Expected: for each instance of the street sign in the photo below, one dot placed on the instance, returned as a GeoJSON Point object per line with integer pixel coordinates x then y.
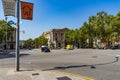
{"type": "Point", "coordinates": [11, 22]}
{"type": "Point", "coordinates": [9, 7]}
{"type": "Point", "coordinates": [27, 10]}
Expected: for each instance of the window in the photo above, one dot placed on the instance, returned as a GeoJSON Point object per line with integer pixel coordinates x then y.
{"type": "Point", "coordinates": [61, 34]}
{"type": "Point", "coordinates": [56, 39]}
{"type": "Point", "coordinates": [55, 34]}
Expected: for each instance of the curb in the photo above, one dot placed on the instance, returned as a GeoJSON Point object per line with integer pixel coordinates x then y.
{"type": "Point", "coordinates": [70, 74]}
{"type": "Point", "coordinates": [74, 75]}
{"type": "Point", "coordinates": [60, 72]}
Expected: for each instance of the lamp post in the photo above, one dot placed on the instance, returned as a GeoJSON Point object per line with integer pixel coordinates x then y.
{"type": "Point", "coordinates": [17, 36]}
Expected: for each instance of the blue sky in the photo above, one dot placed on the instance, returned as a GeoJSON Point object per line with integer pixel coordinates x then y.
{"type": "Point", "coordinates": [49, 14]}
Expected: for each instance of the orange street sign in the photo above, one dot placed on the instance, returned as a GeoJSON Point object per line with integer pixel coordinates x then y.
{"type": "Point", "coordinates": [27, 10]}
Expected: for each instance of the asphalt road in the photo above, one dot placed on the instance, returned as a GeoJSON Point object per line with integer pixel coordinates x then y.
{"type": "Point", "coordinates": [94, 63]}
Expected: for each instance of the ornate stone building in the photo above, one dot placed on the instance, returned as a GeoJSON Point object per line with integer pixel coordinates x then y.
{"type": "Point", "coordinates": [55, 38]}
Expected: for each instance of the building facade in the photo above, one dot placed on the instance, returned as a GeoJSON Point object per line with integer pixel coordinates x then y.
{"type": "Point", "coordinates": [55, 38]}
{"type": "Point", "coordinates": [10, 43]}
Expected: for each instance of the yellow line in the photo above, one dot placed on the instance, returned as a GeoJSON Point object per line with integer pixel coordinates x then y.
{"type": "Point", "coordinates": [70, 74]}
{"type": "Point", "coordinates": [75, 75]}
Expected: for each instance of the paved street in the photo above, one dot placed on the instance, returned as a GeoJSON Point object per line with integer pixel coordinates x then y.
{"type": "Point", "coordinates": [94, 63]}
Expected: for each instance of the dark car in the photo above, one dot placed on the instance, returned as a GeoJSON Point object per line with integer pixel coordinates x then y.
{"type": "Point", "coordinates": [115, 47]}
{"type": "Point", "coordinates": [30, 48]}
{"type": "Point", "coordinates": [45, 49]}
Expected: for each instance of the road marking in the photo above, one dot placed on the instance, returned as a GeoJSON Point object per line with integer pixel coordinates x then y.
{"type": "Point", "coordinates": [74, 75]}
{"type": "Point", "coordinates": [70, 74]}
{"type": "Point", "coordinates": [56, 71]}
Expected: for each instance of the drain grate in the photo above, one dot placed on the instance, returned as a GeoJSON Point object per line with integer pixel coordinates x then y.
{"type": "Point", "coordinates": [35, 74]}
{"type": "Point", "coordinates": [63, 78]}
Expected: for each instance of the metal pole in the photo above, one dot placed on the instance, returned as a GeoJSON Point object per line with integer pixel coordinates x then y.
{"type": "Point", "coordinates": [6, 33]}
{"type": "Point", "coordinates": [17, 35]}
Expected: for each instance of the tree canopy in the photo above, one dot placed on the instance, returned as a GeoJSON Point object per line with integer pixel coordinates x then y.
{"type": "Point", "coordinates": [4, 26]}
{"type": "Point", "coordinates": [101, 26]}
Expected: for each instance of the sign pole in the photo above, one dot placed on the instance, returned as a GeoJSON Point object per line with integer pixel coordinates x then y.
{"type": "Point", "coordinates": [17, 36]}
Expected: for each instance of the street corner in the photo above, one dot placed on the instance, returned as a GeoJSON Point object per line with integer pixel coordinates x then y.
{"type": "Point", "coordinates": [11, 74]}
{"type": "Point", "coordinates": [58, 75]}
{"type": "Point", "coordinates": [69, 76]}
{"type": "Point", "coordinates": [37, 74]}
{"type": "Point", "coordinates": [20, 72]}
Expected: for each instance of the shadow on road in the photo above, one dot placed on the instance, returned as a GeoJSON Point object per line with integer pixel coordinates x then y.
{"type": "Point", "coordinates": [78, 66]}
{"type": "Point", "coordinates": [11, 55]}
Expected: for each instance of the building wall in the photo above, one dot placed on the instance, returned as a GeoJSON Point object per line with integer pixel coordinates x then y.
{"type": "Point", "coordinates": [56, 37]}
{"type": "Point", "coordinates": [48, 36]}
{"type": "Point", "coordinates": [11, 42]}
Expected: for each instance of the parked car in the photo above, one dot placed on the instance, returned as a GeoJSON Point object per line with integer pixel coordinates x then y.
{"type": "Point", "coordinates": [105, 47]}
{"type": "Point", "coordinates": [29, 48]}
{"type": "Point", "coordinates": [45, 49]}
{"type": "Point", "coordinates": [115, 47]}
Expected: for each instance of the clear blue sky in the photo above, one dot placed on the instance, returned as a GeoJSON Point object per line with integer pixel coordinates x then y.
{"type": "Point", "coordinates": [49, 14]}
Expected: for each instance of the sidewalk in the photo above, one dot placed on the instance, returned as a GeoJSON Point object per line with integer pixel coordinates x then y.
{"type": "Point", "coordinates": [31, 74]}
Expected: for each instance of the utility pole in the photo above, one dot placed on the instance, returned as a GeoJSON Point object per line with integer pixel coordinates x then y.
{"type": "Point", "coordinates": [17, 36]}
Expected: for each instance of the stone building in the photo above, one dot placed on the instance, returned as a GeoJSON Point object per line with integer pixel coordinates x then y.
{"type": "Point", "coordinates": [10, 43]}
{"type": "Point", "coordinates": [55, 38]}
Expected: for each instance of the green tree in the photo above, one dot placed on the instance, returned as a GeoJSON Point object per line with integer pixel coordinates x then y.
{"type": "Point", "coordinates": [36, 42]}
{"type": "Point", "coordinates": [28, 43]}
{"type": "Point", "coordinates": [108, 28]}
{"type": "Point", "coordinates": [87, 33]}
{"type": "Point", "coordinates": [115, 26]}
{"type": "Point", "coordinates": [101, 25]}
{"type": "Point", "coordinates": [43, 40]}
{"type": "Point", "coordinates": [3, 28]}
{"type": "Point", "coordinates": [70, 36]}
